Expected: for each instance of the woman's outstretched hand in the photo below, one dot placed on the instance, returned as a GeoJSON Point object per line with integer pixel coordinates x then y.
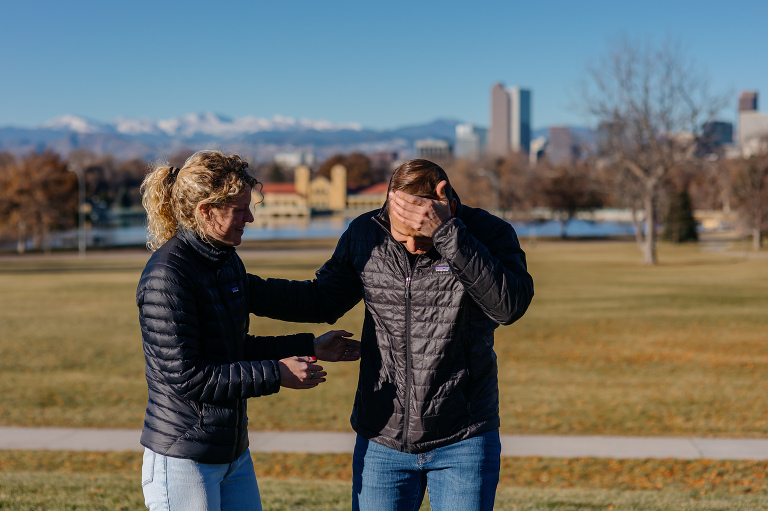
{"type": "Point", "coordinates": [334, 346]}
{"type": "Point", "coordinates": [300, 373]}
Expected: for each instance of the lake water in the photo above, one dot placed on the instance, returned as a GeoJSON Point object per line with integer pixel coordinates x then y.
{"type": "Point", "coordinates": [333, 227]}
{"type": "Point", "coordinates": [318, 227]}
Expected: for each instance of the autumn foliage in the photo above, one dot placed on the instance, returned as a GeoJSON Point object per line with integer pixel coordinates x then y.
{"type": "Point", "coordinates": [37, 196]}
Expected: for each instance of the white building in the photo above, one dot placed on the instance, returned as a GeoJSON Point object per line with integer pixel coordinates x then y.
{"type": "Point", "coordinates": [470, 141]}
{"type": "Point", "coordinates": [753, 125]}
{"type": "Point", "coordinates": [294, 159]}
{"type": "Point", "coordinates": [433, 149]}
{"type": "Point", "coordinates": [753, 132]}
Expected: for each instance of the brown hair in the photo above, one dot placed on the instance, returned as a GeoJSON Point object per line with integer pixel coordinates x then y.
{"type": "Point", "coordinates": [419, 177]}
{"type": "Point", "coordinates": [171, 195]}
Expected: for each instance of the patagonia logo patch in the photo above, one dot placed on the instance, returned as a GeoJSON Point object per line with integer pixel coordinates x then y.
{"type": "Point", "coordinates": [235, 289]}
{"type": "Point", "coordinates": [442, 269]}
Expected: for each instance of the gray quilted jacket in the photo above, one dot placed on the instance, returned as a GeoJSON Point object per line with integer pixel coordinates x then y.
{"type": "Point", "coordinates": [428, 373]}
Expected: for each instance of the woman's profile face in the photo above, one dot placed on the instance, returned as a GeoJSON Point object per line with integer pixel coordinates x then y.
{"type": "Point", "coordinates": [225, 224]}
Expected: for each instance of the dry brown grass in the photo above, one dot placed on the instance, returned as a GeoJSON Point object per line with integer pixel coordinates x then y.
{"type": "Point", "coordinates": [608, 345]}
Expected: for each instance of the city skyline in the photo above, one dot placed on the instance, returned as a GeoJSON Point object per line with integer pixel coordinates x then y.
{"type": "Point", "coordinates": [344, 62]}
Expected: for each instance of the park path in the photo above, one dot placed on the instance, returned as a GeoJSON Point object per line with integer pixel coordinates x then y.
{"type": "Point", "coordinates": [70, 439]}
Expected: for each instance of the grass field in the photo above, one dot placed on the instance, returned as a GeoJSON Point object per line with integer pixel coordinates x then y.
{"type": "Point", "coordinates": [609, 346]}
{"type": "Point", "coordinates": [34, 480]}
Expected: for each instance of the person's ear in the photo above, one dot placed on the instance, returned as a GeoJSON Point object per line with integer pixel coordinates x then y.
{"type": "Point", "coordinates": [440, 190]}
{"type": "Point", "coordinates": [204, 210]}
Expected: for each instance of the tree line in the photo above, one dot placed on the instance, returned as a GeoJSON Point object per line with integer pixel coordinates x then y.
{"type": "Point", "coordinates": [39, 191]}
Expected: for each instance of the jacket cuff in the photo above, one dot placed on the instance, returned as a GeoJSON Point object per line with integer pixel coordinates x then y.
{"type": "Point", "coordinates": [272, 379]}
{"type": "Point", "coordinates": [307, 345]}
{"type": "Point", "coordinates": [445, 228]}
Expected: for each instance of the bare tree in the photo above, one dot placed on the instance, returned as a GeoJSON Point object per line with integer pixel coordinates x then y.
{"type": "Point", "coordinates": [650, 103]}
{"type": "Point", "coordinates": [750, 188]}
{"type": "Point", "coordinates": [501, 184]}
{"type": "Point", "coordinates": [711, 187]}
{"type": "Point", "coordinates": [567, 189]}
{"type": "Point", "coordinates": [515, 181]}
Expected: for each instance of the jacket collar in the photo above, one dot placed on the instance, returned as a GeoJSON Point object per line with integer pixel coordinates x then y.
{"type": "Point", "coordinates": [211, 255]}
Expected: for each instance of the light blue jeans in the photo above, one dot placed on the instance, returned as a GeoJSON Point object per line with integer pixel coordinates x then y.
{"type": "Point", "coordinates": [459, 477]}
{"type": "Point", "coordinates": [175, 484]}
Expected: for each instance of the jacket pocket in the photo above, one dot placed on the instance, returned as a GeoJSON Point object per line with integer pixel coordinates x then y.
{"type": "Point", "coordinates": [215, 418]}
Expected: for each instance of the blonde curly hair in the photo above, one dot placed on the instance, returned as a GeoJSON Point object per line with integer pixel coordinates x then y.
{"type": "Point", "coordinates": [171, 196]}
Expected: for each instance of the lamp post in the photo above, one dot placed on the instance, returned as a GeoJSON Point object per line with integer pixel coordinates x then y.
{"type": "Point", "coordinates": [495, 184]}
{"type": "Point", "coordinates": [80, 207]}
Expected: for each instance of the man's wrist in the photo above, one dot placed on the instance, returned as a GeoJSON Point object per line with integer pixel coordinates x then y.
{"type": "Point", "coordinates": [442, 227]}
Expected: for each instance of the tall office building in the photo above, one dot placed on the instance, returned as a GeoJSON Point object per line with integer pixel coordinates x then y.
{"type": "Point", "coordinates": [717, 133]}
{"type": "Point", "coordinates": [753, 125]}
{"type": "Point", "coordinates": [561, 148]}
{"type": "Point", "coordinates": [498, 132]}
{"type": "Point", "coordinates": [510, 129]}
{"type": "Point", "coordinates": [470, 141]}
{"type": "Point", "coordinates": [748, 101]}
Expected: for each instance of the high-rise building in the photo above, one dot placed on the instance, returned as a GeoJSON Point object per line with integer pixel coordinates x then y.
{"type": "Point", "coordinates": [470, 141]}
{"type": "Point", "coordinates": [561, 148]}
{"type": "Point", "coordinates": [520, 113]}
{"type": "Point", "coordinates": [717, 133]}
{"type": "Point", "coordinates": [753, 125]}
{"type": "Point", "coordinates": [748, 101]}
{"type": "Point", "coordinates": [498, 132]}
{"type": "Point", "coordinates": [510, 129]}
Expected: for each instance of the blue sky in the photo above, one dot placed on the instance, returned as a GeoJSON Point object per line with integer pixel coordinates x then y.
{"type": "Point", "coordinates": [382, 64]}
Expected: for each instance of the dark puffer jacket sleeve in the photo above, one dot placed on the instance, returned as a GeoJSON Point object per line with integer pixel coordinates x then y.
{"type": "Point", "coordinates": [490, 264]}
{"type": "Point", "coordinates": [335, 291]}
{"type": "Point", "coordinates": [279, 347]}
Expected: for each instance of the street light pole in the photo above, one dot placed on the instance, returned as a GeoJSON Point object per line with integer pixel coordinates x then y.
{"type": "Point", "coordinates": [496, 185]}
{"type": "Point", "coordinates": [80, 207]}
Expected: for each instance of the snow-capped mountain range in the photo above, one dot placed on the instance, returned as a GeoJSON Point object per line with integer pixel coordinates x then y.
{"type": "Point", "coordinates": [259, 138]}
{"type": "Point", "coordinates": [194, 125]}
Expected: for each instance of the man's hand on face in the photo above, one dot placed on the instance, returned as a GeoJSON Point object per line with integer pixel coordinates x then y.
{"type": "Point", "coordinates": [423, 215]}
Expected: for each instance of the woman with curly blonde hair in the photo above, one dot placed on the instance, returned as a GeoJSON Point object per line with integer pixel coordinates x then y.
{"type": "Point", "coordinates": [202, 365]}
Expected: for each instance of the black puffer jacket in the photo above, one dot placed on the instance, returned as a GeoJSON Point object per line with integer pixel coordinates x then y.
{"type": "Point", "coordinates": [428, 374]}
{"type": "Point", "coordinates": [201, 364]}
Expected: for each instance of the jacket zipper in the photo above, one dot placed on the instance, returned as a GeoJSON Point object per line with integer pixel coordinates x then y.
{"type": "Point", "coordinates": [408, 355]}
{"type": "Point", "coordinates": [224, 302]}
{"type": "Point", "coordinates": [408, 362]}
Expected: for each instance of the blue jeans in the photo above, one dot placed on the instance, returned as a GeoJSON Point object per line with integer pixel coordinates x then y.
{"type": "Point", "coordinates": [459, 477]}
{"type": "Point", "coordinates": [175, 484]}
